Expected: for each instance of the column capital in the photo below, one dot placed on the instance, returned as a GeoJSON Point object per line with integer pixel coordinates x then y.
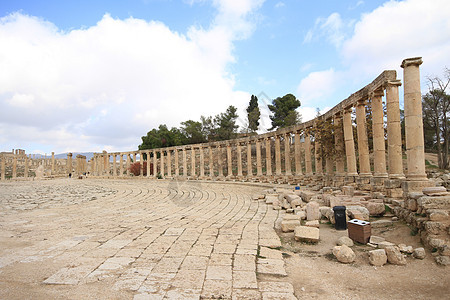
{"type": "Point", "coordinates": [361, 102]}
{"type": "Point", "coordinates": [414, 61]}
{"type": "Point", "coordinates": [396, 82]}
{"type": "Point", "coordinates": [348, 109]}
{"type": "Point", "coordinates": [377, 93]}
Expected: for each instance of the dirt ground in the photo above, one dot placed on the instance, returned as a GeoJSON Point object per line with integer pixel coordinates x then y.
{"type": "Point", "coordinates": [316, 274]}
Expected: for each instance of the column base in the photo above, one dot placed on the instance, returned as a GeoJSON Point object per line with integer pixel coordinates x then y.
{"type": "Point", "coordinates": [410, 186]}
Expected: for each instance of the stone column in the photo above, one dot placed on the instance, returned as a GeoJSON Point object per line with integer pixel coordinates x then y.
{"type": "Point", "coordinates": [219, 160]}
{"type": "Point", "coordinates": [268, 158]}
{"type": "Point", "coordinates": [297, 153]}
{"type": "Point", "coordinates": [339, 144]}
{"type": "Point", "coordinates": [155, 164]}
{"type": "Point", "coordinates": [147, 154]}
{"type": "Point", "coordinates": [177, 168]}
{"type": "Point", "coordinates": [363, 144]}
{"type": "Point", "coordinates": [106, 162]}
{"type": "Point", "coordinates": [239, 159]}
{"type": "Point", "coordinates": [114, 165]}
{"type": "Point", "coordinates": [258, 158]}
{"type": "Point", "coordinates": [69, 163]}
{"type": "Point", "coordinates": [277, 155]}
{"type": "Point", "coordinates": [162, 163]}
{"type": "Point", "coordinates": [329, 166]}
{"type": "Point", "coordinates": [193, 162]}
{"type": "Point", "coordinates": [318, 158]}
{"type": "Point", "coordinates": [202, 161]}
{"type": "Point", "coordinates": [141, 164]}
{"type": "Point", "coordinates": [249, 159]}
{"type": "Point", "coordinates": [184, 161]}
{"type": "Point", "coordinates": [415, 151]}
{"type": "Point", "coordinates": [3, 167]}
{"type": "Point", "coordinates": [211, 162]}
{"type": "Point", "coordinates": [169, 163]}
{"type": "Point", "coordinates": [26, 167]}
{"type": "Point", "coordinates": [229, 162]}
{"type": "Point", "coordinates": [308, 162]}
{"type": "Point", "coordinates": [128, 163]}
{"type": "Point", "coordinates": [121, 164]}
{"type": "Point", "coordinates": [53, 163]}
{"type": "Point", "coordinates": [14, 170]}
{"type": "Point", "coordinates": [287, 154]}
{"type": "Point", "coordinates": [394, 130]}
{"type": "Point", "coordinates": [379, 148]}
{"type": "Point", "coordinates": [349, 143]}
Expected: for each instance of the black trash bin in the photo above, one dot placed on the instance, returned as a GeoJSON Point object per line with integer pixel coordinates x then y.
{"type": "Point", "coordinates": [340, 218]}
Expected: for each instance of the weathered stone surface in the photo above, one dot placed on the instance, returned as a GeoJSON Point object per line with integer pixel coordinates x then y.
{"type": "Point", "coordinates": [292, 217]}
{"type": "Point", "coordinates": [314, 223]}
{"type": "Point", "coordinates": [348, 190]}
{"type": "Point", "coordinates": [344, 254]}
{"type": "Point", "coordinates": [405, 249]}
{"type": "Point", "coordinates": [377, 257]}
{"type": "Point", "coordinates": [306, 195]}
{"type": "Point", "coordinates": [307, 234]}
{"type": "Point", "coordinates": [385, 244]}
{"type": "Point", "coordinates": [289, 225]}
{"type": "Point", "coordinates": [394, 256]}
{"type": "Point", "coordinates": [375, 209]}
{"type": "Point", "coordinates": [302, 214]}
{"type": "Point", "coordinates": [437, 214]}
{"type": "Point", "coordinates": [381, 223]}
{"type": "Point", "coordinates": [442, 260]}
{"type": "Point", "coordinates": [376, 239]}
{"type": "Point", "coordinates": [435, 191]}
{"type": "Point", "coordinates": [312, 211]}
{"type": "Point", "coordinates": [292, 197]}
{"type": "Point", "coordinates": [270, 198]}
{"type": "Point", "coordinates": [358, 212]}
{"type": "Point", "coordinates": [345, 240]}
{"type": "Point", "coordinates": [297, 202]}
{"type": "Point", "coordinates": [419, 253]}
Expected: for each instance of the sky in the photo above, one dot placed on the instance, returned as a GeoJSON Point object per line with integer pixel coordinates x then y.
{"type": "Point", "coordinates": [84, 75]}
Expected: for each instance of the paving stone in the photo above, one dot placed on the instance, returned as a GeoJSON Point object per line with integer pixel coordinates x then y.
{"type": "Point", "coordinates": [271, 267]}
{"type": "Point", "coordinates": [244, 279]}
{"type": "Point", "coordinates": [244, 263]}
{"type": "Point", "coordinates": [219, 272]}
{"type": "Point", "coordinates": [218, 259]}
{"type": "Point", "coordinates": [217, 289]}
{"type": "Point", "coordinates": [246, 294]}
{"type": "Point", "coordinates": [275, 286]}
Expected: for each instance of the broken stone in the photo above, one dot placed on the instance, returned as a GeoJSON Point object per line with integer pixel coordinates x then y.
{"type": "Point", "coordinates": [437, 214]}
{"type": "Point", "coordinates": [302, 214]}
{"type": "Point", "coordinates": [289, 225]}
{"type": "Point", "coordinates": [376, 239]}
{"type": "Point", "coordinates": [375, 209]}
{"type": "Point", "coordinates": [381, 223]}
{"type": "Point", "coordinates": [377, 257]}
{"type": "Point", "coordinates": [358, 212]}
{"type": "Point", "coordinates": [394, 256]}
{"type": "Point", "coordinates": [435, 191]}
{"type": "Point", "coordinates": [345, 240]}
{"type": "Point", "coordinates": [291, 217]}
{"type": "Point", "coordinates": [314, 223]}
{"type": "Point", "coordinates": [419, 253]}
{"type": "Point", "coordinates": [306, 195]}
{"type": "Point", "coordinates": [297, 202]}
{"type": "Point", "coordinates": [312, 211]}
{"type": "Point", "coordinates": [442, 260]}
{"type": "Point", "coordinates": [308, 234]}
{"type": "Point", "coordinates": [385, 244]}
{"type": "Point", "coordinates": [405, 249]}
{"type": "Point", "coordinates": [344, 254]}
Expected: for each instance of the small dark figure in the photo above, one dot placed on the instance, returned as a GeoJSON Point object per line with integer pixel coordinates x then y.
{"type": "Point", "coordinates": [70, 175]}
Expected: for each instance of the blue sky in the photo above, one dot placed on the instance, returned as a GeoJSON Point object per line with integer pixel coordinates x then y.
{"type": "Point", "coordinates": [97, 75]}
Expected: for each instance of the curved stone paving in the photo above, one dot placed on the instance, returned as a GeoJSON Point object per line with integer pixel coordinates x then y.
{"type": "Point", "coordinates": [153, 239]}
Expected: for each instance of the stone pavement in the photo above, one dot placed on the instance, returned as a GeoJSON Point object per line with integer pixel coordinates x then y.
{"type": "Point", "coordinates": [148, 239]}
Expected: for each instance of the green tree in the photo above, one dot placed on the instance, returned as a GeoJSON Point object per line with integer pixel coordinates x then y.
{"type": "Point", "coordinates": [226, 124]}
{"type": "Point", "coordinates": [436, 117]}
{"type": "Point", "coordinates": [253, 114]}
{"type": "Point", "coordinates": [209, 128]}
{"type": "Point", "coordinates": [161, 137]}
{"type": "Point", "coordinates": [193, 132]}
{"type": "Point", "coordinates": [284, 111]}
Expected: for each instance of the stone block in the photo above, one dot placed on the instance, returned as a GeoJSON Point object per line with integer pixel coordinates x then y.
{"type": "Point", "coordinates": [307, 195]}
{"type": "Point", "coordinates": [375, 209]}
{"type": "Point", "coordinates": [419, 253]}
{"type": "Point", "coordinates": [358, 212]}
{"type": "Point", "coordinates": [314, 223]}
{"type": "Point", "coordinates": [307, 234]}
{"type": "Point", "coordinates": [394, 193]}
{"type": "Point", "coordinates": [292, 217]}
{"type": "Point", "coordinates": [291, 197]}
{"type": "Point", "coordinates": [405, 249]}
{"type": "Point", "coordinates": [334, 201]}
{"type": "Point", "coordinates": [435, 191]}
{"type": "Point", "coordinates": [312, 211]}
{"type": "Point", "coordinates": [289, 225]}
{"type": "Point", "coordinates": [394, 256]}
{"type": "Point", "coordinates": [377, 257]}
{"type": "Point", "coordinates": [393, 183]}
{"type": "Point", "coordinates": [429, 202]}
{"type": "Point", "coordinates": [376, 239]}
{"type": "Point", "coordinates": [348, 190]}
{"type": "Point", "coordinates": [442, 260]}
{"type": "Point", "coordinates": [296, 202]}
{"type": "Point", "coordinates": [344, 254]}
{"type": "Point", "coordinates": [411, 204]}
{"type": "Point", "coordinates": [437, 214]}
{"type": "Point", "coordinates": [385, 244]}
{"type": "Point", "coordinates": [415, 186]}
{"type": "Point", "coordinates": [302, 214]}
{"type": "Point", "coordinates": [345, 240]}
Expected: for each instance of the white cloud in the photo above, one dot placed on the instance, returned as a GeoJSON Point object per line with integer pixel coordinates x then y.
{"type": "Point", "coordinates": [332, 28]}
{"type": "Point", "coordinates": [317, 86]}
{"type": "Point", "coordinates": [107, 85]}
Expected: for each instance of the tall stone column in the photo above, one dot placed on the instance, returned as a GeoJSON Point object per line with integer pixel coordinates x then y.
{"type": "Point", "coordinates": [114, 165]}
{"type": "Point", "coordinates": [162, 163]}
{"type": "Point", "coordinates": [184, 161]}
{"type": "Point", "coordinates": [155, 163]}
{"type": "Point", "coordinates": [193, 162]}
{"type": "Point", "coordinates": [317, 156]}
{"type": "Point", "coordinates": [308, 162]}
{"type": "Point", "coordinates": [287, 154]}
{"type": "Point", "coordinates": [329, 166]}
{"type": "Point", "coordinates": [239, 159]}
{"type": "Point", "coordinates": [3, 167]}
{"type": "Point", "coordinates": [229, 162]}
{"type": "Point", "coordinates": [363, 143]}
{"type": "Point", "coordinates": [202, 161]}
{"type": "Point", "coordinates": [349, 143]}
{"type": "Point", "coordinates": [128, 163]}
{"type": "Point", "coordinates": [177, 168]}
{"type": "Point", "coordinates": [14, 170]}
{"type": "Point", "coordinates": [26, 167]}
{"type": "Point", "coordinates": [94, 165]}
{"type": "Point", "coordinates": [277, 155]}
{"type": "Point", "coordinates": [106, 163]}
{"type": "Point", "coordinates": [69, 163]}
{"type": "Point", "coordinates": [249, 159]}
{"type": "Point", "coordinates": [121, 164]}
{"type": "Point", "coordinates": [268, 158]}
{"type": "Point", "coordinates": [297, 153]}
{"type": "Point", "coordinates": [415, 151]}
{"type": "Point", "coordinates": [169, 163]}
{"type": "Point", "coordinates": [219, 160]}
{"type": "Point", "coordinates": [258, 158]}
{"type": "Point", "coordinates": [211, 162]}
{"type": "Point", "coordinates": [141, 164]}
{"type": "Point", "coordinates": [339, 144]}
{"type": "Point", "coordinates": [53, 163]}
{"type": "Point", "coordinates": [379, 148]}
{"type": "Point", "coordinates": [394, 130]}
